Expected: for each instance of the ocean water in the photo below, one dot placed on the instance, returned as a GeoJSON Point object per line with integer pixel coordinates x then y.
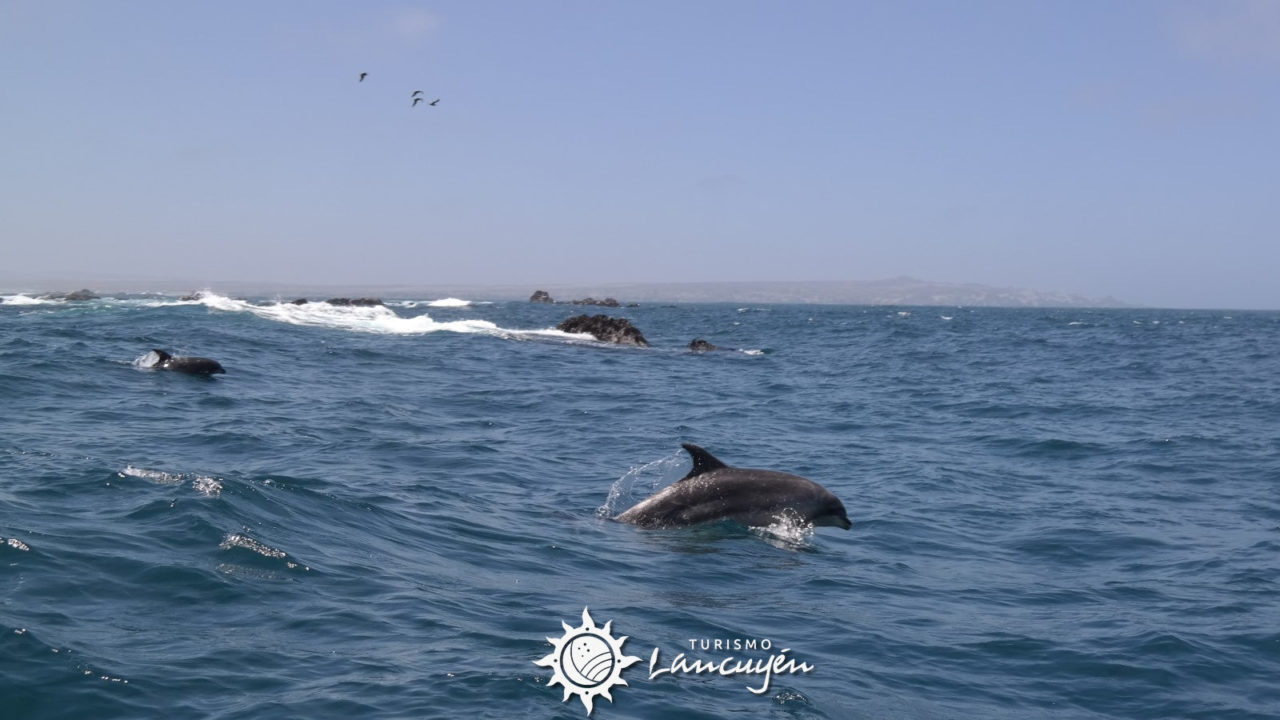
{"type": "Point", "coordinates": [388, 512]}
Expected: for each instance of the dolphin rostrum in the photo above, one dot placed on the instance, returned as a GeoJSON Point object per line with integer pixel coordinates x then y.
{"type": "Point", "coordinates": [713, 491]}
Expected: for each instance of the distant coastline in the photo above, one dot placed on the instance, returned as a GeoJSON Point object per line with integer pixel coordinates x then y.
{"type": "Point", "coordinates": [895, 291]}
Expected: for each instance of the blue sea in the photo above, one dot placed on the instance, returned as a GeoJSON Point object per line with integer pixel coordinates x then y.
{"type": "Point", "coordinates": [394, 512]}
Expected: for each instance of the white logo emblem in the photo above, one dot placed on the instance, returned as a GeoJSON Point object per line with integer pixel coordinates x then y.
{"type": "Point", "coordinates": [587, 661]}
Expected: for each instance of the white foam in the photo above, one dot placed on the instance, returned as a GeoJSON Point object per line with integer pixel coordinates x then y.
{"type": "Point", "coordinates": [148, 359]}
{"type": "Point", "coordinates": [788, 531]}
{"type": "Point", "coordinates": [155, 476]}
{"type": "Point", "coordinates": [207, 486]}
{"type": "Point", "coordinates": [449, 302]}
{"type": "Point", "coordinates": [21, 299]}
{"type": "Point", "coordinates": [752, 352]}
{"type": "Point", "coordinates": [244, 541]}
{"type": "Point", "coordinates": [376, 319]}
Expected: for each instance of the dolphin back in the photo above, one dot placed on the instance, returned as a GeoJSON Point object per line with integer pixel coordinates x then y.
{"type": "Point", "coordinates": [713, 491]}
{"type": "Point", "coordinates": [194, 365]}
{"type": "Point", "coordinates": [161, 360]}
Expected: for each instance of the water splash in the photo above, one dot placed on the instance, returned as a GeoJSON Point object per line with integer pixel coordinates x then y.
{"type": "Point", "coordinates": [643, 481]}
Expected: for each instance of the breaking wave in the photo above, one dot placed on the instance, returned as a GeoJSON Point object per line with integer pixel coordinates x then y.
{"type": "Point", "coordinates": [378, 319]}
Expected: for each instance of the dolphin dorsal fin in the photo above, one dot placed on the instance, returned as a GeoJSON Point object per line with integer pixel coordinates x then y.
{"type": "Point", "coordinates": [162, 355]}
{"type": "Point", "coordinates": [703, 461]}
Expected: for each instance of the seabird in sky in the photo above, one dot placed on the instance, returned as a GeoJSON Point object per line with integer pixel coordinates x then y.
{"type": "Point", "coordinates": [362, 76]}
{"type": "Point", "coordinates": [415, 102]}
{"type": "Point", "coordinates": [433, 102]}
{"type": "Point", "coordinates": [416, 92]}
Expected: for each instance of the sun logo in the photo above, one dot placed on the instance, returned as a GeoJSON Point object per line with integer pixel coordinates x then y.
{"type": "Point", "coordinates": [587, 661]}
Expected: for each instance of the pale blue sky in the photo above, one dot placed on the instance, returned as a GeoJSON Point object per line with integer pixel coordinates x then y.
{"type": "Point", "coordinates": [1097, 147]}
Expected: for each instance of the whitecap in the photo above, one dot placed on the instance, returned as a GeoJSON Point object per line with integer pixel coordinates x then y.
{"type": "Point", "coordinates": [377, 319]}
{"type": "Point", "coordinates": [449, 302]}
{"type": "Point", "coordinates": [21, 299]}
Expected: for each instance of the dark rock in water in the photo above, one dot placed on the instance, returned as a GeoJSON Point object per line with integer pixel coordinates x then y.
{"type": "Point", "coordinates": [607, 302]}
{"type": "Point", "coordinates": [540, 296]}
{"type": "Point", "coordinates": [193, 297]}
{"type": "Point", "coordinates": [354, 302]}
{"type": "Point", "coordinates": [77, 295]}
{"type": "Point", "coordinates": [701, 345]}
{"type": "Point", "coordinates": [299, 301]}
{"type": "Point", "coordinates": [605, 329]}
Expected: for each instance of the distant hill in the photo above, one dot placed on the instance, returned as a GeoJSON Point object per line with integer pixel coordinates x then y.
{"type": "Point", "coordinates": [896, 291]}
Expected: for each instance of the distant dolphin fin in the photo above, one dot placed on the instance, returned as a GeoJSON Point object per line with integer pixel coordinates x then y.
{"type": "Point", "coordinates": [703, 461]}
{"type": "Point", "coordinates": [161, 355]}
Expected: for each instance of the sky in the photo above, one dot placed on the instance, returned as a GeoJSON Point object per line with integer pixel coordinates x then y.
{"type": "Point", "coordinates": [1127, 149]}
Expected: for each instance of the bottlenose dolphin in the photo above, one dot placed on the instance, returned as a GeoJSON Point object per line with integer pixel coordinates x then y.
{"type": "Point", "coordinates": [161, 360]}
{"type": "Point", "coordinates": [714, 491]}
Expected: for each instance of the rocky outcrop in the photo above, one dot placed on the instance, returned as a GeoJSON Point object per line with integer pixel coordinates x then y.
{"type": "Point", "coordinates": [540, 296]}
{"type": "Point", "coordinates": [354, 302]}
{"type": "Point", "coordinates": [701, 345]}
{"type": "Point", "coordinates": [607, 302]}
{"type": "Point", "coordinates": [605, 329]}
{"type": "Point", "coordinates": [77, 295]}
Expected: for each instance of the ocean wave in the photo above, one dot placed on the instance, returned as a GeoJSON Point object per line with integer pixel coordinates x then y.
{"type": "Point", "coordinates": [449, 302]}
{"type": "Point", "coordinates": [21, 299]}
{"type": "Point", "coordinates": [378, 319]}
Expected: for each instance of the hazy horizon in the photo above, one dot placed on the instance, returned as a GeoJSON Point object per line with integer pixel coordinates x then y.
{"type": "Point", "coordinates": [1084, 149]}
{"type": "Point", "coordinates": [885, 291]}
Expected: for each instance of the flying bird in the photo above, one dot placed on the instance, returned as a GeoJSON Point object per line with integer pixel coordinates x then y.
{"type": "Point", "coordinates": [415, 102]}
{"type": "Point", "coordinates": [362, 76]}
{"type": "Point", "coordinates": [416, 92]}
{"type": "Point", "coordinates": [433, 102]}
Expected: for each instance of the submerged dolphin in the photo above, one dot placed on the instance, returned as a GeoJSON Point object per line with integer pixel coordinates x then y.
{"type": "Point", "coordinates": [714, 491]}
{"type": "Point", "coordinates": [161, 360]}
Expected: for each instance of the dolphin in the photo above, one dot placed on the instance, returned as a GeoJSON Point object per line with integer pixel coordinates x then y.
{"type": "Point", "coordinates": [161, 360]}
{"type": "Point", "coordinates": [713, 491]}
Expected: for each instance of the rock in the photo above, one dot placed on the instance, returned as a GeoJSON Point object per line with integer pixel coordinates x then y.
{"type": "Point", "coordinates": [540, 296]}
{"type": "Point", "coordinates": [354, 302]}
{"type": "Point", "coordinates": [605, 329]}
{"type": "Point", "coordinates": [299, 301]}
{"type": "Point", "coordinates": [607, 302]}
{"type": "Point", "coordinates": [77, 295]}
{"type": "Point", "coordinates": [701, 345]}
